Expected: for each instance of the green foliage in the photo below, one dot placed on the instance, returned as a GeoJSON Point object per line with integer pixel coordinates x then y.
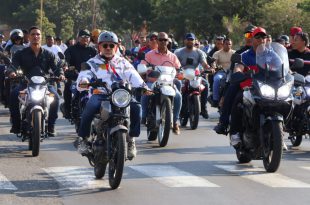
{"type": "Point", "coordinates": [67, 25]}
{"type": "Point", "coordinates": [234, 28]}
{"type": "Point", "coordinates": [47, 26]}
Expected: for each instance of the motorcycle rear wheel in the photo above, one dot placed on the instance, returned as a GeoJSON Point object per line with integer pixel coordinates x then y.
{"type": "Point", "coordinates": [296, 140]}
{"type": "Point", "coordinates": [117, 158]}
{"type": "Point", "coordinates": [165, 124]}
{"type": "Point", "coordinates": [273, 147]}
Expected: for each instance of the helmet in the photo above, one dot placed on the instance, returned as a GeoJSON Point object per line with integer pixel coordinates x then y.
{"type": "Point", "coordinates": [15, 34]}
{"type": "Point", "coordinates": [285, 38]}
{"type": "Point", "coordinates": [107, 36]}
{"type": "Point", "coordinates": [95, 33]}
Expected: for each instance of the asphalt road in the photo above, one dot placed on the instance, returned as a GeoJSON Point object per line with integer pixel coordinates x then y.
{"type": "Point", "coordinates": [196, 167]}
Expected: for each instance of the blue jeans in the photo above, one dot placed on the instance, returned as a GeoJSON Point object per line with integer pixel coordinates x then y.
{"type": "Point", "coordinates": [216, 85]}
{"type": "Point", "coordinates": [93, 106]}
{"type": "Point", "coordinates": [14, 106]}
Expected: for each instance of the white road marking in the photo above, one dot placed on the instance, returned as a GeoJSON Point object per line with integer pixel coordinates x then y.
{"type": "Point", "coordinates": [5, 184]}
{"type": "Point", "coordinates": [172, 177]}
{"type": "Point", "coordinates": [307, 168]}
{"type": "Point", "coordinates": [76, 178]}
{"type": "Point", "coordinates": [259, 175]}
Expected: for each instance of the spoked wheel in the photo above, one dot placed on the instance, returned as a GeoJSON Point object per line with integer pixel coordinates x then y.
{"type": "Point", "coordinates": [194, 112]}
{"type": "Point", "coordinates": [165, 124]}
{"type": "Point", "coordinates": [36, 132]}
{"type": "Point", "coordinates": [296, 140]}
{"type": "Point", "coordinates": [273, 147]}
{"type": "Point", "coordinates": [117, 158]}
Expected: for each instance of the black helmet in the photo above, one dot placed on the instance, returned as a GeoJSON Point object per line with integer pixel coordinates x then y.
{"type": "Point", "coordinates": [107, 36]}
{"type": "Point", "coordinates": [16, 34]}
{"type": "Point", "coordinates": [285, 38]}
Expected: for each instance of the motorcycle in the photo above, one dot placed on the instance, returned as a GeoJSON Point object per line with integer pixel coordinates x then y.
{"type": "Point", "coordinates": [265, 106]}
{"type": "Point", "coordinates": [5, 82]}
{"type": "Point", "coordinates": [109, 131]}
{"type": "Point", "coordinates": [299, 123]}
{"type": "Point", "coordinates": [35, 101]}
{"type": "Point", "coordinates": [191, 91]}
{"type": "Point", "coordinates": [160, 116]}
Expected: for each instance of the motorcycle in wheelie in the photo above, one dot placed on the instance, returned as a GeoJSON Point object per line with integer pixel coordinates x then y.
{"type": "Point", "coordinates": [191, 93]}
{"type": "Point", "coordinates": [35, 102]}
{"type": "Point", "coordinates": [109, 131]}
{"type": "Point", "coordinates": [160, 116]}
{"type": "Point", "coordinates": [265, 106]}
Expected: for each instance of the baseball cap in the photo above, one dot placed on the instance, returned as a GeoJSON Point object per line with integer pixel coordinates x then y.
{"type": "Point", "coordinates": [259, 30]}
{"type": "Point", "coordinates": [58, 38]}
{"type": "Point", "coordinates": [295, 30]}
{"type": "Point", "coordinates": [190, 36]}
{"type": "Point", "coordinates": [84, 32]}
{"type": "Point", "coordinates": [154, 34]}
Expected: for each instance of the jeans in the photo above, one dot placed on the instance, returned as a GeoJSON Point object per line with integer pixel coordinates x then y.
{"type": "Point", "coordinates": [14, 106]}
{"type": "Point", "coordinates": [67, 96]}
{"type": "Point", "coordinates": [93, 106]}
{"type": "Point", "coordinates": [216, 85]}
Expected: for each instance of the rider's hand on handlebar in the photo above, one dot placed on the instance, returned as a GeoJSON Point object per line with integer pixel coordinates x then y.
{"type": "Point", "coordinates": [148, 92]}
{"type": "Point", "coordinates": [212, 70]}
{"type": "Point", "coordinates": [62, 78]}
{"type": "Point", "coordinates": [12, 75]}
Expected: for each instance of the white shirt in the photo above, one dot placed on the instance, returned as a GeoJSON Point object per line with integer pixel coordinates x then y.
{"type": "Point", "coordinates": [54, 49]}
{"type": "Point", "coordinates": [63, 47]}
{"type": "Point", "coordinates": [122, 67]}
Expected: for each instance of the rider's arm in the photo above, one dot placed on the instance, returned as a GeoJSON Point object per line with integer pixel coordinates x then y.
{"type": "Point", "coordinates": [15, 64]}
{"type": "Point", "coordinates": [203, 60]}
{"type": "Point", "coordinates": [84, 77]}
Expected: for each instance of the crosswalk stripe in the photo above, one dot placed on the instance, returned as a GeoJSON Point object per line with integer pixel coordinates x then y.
{"type": "Point", "coordinates": [172, 177]}
{"type": "Point", "coordinates": [259, 175]}
{"type": "Point", "coordinates": [76, 177]}
{"type": "Point", "coordinates": [307, 168]}
{"type": "Point", "coordinates": [5, 184]}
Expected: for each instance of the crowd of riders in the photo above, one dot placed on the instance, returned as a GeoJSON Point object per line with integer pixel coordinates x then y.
{"type": "Point", "coordinates": [101, 54]}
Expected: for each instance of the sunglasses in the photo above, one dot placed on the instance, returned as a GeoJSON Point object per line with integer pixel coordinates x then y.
{"type": "Point", "coordinates": [162, 39]}
{"type": "Point", "coordinates": [108, 45]}
{"type": "Point", "coordinates": [248, 35]}
{"type": "Point", "coordinates": [260, 37]}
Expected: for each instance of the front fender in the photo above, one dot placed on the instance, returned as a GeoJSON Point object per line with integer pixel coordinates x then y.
{"type": "Point", "coordinates": [37, 107]}
{"type": "Point", "coordinates": [118, 127]}
{"type": "Point", "coordinates": [167, 90]}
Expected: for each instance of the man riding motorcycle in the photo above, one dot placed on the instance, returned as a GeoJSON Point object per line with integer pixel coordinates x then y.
{"type": "Point", "coordinates": [234, 92]}
{"type": "Point", "coordinates": [34, 61]}
{"type": "Point", "coordinates": [194, 56]}
{"type": "Point", "coordinates": [110, 68]}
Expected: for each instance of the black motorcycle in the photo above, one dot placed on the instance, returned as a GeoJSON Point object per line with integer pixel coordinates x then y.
{"type": "Point", "coordinates": [265, 106]}
{"type": "Point", "coordinates": [109, 131]}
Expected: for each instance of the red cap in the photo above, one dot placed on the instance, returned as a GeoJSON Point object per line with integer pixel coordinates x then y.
{"type": "Point", "coordinates": [295, 30]}
{"type": "Point", "coordinates": [258, 30]}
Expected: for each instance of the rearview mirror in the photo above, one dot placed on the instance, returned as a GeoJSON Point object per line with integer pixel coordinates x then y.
{"type": "Point", "coordinates": [298, 64]}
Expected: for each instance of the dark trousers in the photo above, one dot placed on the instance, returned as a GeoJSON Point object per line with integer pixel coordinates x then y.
{"type": "Point", "coordinates": [229, 99]}
{"type": "Point", "coordinates": [236, 114]}
{"type": "Point", "coordinates": [14, 106]}
{"type": "Point", "coordinates": [67, 96]}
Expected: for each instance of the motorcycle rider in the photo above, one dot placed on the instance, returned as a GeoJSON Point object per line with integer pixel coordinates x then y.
{"type": "Point", "coordinates": [75, 55]}
{"type": "Point", "coordinates": [158, 57]}
{"type": "Point", "coordinates": [300, 50]}
{"type": "Point", "coordinates": [293, 32]}
{"type": "Point", "coordinates": [29, 60]}
{"type": "Point", "coordinates": [196, 56]}
{"type": "Point", "coordinates": [234, 93]}
{"type": "Point", "coordinates": [16, 37]}
{"type": "Point", "coordinates": [222, 58]}
{"type": "Point", "coordinates": [109, 67]}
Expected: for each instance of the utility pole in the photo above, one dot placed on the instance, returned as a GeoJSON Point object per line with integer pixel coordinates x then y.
{"type": "Point", "coordinates": [41, 15]}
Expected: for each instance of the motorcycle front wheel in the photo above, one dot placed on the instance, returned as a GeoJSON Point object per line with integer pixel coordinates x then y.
{"type": "Point", "coordinates": [194, 112]}
{"type": "Point", "coordinates": [273, 147]}
{"type": "Point", "coordinates": [36, 132]}
{"type": "Point", "coordinates": [117, 158]}
{"type": "Point", "coordinates": [165, 122]}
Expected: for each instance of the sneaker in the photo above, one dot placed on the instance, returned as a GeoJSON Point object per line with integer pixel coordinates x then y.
{"type": "Point", "coordinates": [204, 114]}
{"type": "Point", "coordinates": [235, 139]}
{"type": "Point", "coordinates": [176, 129]}
{"type": "Point", "coordinates": [131, 148]}
{"type": "Point", "coordinates": [221, 129]}
{"type": "Point", "coordinates": [83, 146]}
{"type": "Point", "coordinates": [51, 131]}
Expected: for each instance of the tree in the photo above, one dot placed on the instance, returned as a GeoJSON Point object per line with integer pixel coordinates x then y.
{"type": "Point", "coordinates": [67, 25]}
{"type": "Point", "coordinates": [47, 26]}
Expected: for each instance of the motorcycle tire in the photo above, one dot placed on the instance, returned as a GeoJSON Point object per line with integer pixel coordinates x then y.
{"type": "Point", "coordinates": [99, 170]}
{"type": "Point", "coordinates": [165, 124]}
{"type": "Point", "coordinates": [243, 156]}
{"type": "Point", "coordinates": [273, 147]}
{"type": "Point", "coordinates": [151, 135]}
{"type": "Point", "coordinates": [296, 140]}
{"type": "Point", "coordinates": [36, 132]}
{"type": "Point", "coordinates": [117, 158]}
{"type": "Point", "coordinates": [194, 112]}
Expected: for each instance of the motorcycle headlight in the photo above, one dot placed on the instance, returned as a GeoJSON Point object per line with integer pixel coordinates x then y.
{"type": "Point", "coordinates": [285, 90]}
{"type": "Point", "coordinates": [266, 90]}
{"type": "Point", "coordinates": [121, 98]}
{"type": "Point", "coordinates": [37, 94]}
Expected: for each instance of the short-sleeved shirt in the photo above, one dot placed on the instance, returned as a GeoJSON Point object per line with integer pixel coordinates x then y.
{"type": "Point", "coordinates": [223, 58]}
{"type": "Point", "coordinates": [184, 54]}
{"type": "Point", "coordinates": [169, 59]}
